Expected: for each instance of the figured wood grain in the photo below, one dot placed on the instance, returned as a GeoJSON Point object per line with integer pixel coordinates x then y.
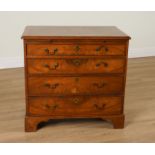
{"type": "Point", "coordinates": [139, 110]}
{"type": "Point", "coordinates": [76, 49]}
{"type": "Point", "coordinates": [76, 65]}
{"type": "Point", "coordinates": [75, 85]}
{"type": "Point", "coordinates": [77, 105]}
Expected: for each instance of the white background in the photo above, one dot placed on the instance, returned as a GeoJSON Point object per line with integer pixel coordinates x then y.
{"type": "Point", "coordinates": [139, 25]}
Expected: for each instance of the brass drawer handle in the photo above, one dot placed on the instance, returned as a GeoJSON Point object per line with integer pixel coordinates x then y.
{"type": "Point", "coordinates": [52, 67]}
{"type": "Point", "coordinates": [102, 47]}
{"type": "Point", "coordinates": [55, 51]}
{"type": "Point", "coordinates": [102, 63]}
{"type": "Point", "coordinates": [99, 85]}
{"type": "Point", "coordinates": [47, 50]}
{"type": "Point", "coordinates": [51, 86]}
{"type": "Point", "coordinates": [99, 107]}
{"type": "Point", "coordinates": [51, 52]}
{"type": "Point", "coordinates": [76, 100]}
{"type": "Point", "coordinates": [51, 107]}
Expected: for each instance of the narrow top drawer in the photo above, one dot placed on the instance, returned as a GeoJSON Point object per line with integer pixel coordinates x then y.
{"type": "Point", "coordinates": [71, 49]}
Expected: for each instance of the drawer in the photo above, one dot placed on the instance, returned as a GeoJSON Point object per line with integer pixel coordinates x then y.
{"type": "Point", "coordinates": [75, 85]}
{"type": "Point", "coordinates": [75, 65]}
{"type": "Point", "coordinates": [71, 49]}
{"type": "Point", "coordinates": [75, 105]}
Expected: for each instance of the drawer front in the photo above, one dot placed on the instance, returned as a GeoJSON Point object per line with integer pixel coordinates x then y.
{"type": "Point", "coordinates": [54, 50]}
{"type": "Point", "coordinates": [75, 105]}
{"type": "Point", "coordinates": [75, 65]}
{"type": "Point", "coordinates": [75, 85]}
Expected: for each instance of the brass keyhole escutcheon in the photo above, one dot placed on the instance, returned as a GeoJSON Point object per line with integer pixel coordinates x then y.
{"type": "Point", "coordinates": [76, 62]}
{"type": "Point", "coordinates": [76, 100]}
{"type": "Point", "coordinates": [77, 48]}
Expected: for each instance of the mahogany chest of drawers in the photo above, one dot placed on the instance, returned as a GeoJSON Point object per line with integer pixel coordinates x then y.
{"type": "Point", "coordinates": [74, 72]}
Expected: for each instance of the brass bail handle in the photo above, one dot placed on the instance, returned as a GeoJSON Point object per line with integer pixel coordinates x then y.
{"type": "Point", "coordinates": [55, 65]}
{"type": "Point", "coordinates": [52, 67]}
{"type": "Point", "coordinates": [51, 107]}
{"type": "Point", "coordinates": [51, 86]}
{"type": "Point", "coordinates": [105, 64]}
{"type": "Point", "coordinates": [100, 107]}
{"type": "Point", "coordinates": [51, 53]}
{"type": "Point", "coordinates": [99, 85]}
{"type": "Point", "coordinates": [102, 47]}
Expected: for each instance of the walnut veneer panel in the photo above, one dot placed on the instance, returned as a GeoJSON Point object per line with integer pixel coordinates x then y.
{"type": "Point", "coordinates": [75, 85]}
{"type": "Point", "coordinates": [75, 65]}
{"type": "Point", "coordinates": [76, 49]}
{"type": "Point", "coordinates": [75, 105]}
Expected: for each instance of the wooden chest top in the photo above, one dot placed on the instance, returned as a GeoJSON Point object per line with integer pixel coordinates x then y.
{"type": "Point", "coordinates": [69, 32]}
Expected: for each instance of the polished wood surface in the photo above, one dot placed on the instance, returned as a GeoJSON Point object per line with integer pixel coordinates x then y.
{"type": "Point", "coordinates": [75, 85]}
{"type": "Point", "coordinates": [32, 122]}
{"type": "Point", "coordinates": [52, 77]}
{"type": "Point", "coordinates": [139, 110]}
{"type": "Point", "coordinates": [74, 65]}
{"type": "Point", "coordinates": [69, 106]}
{"type": "Point", "coordinates": [47, 32]}
{"type": "Point", "coordinates": [76, 48]}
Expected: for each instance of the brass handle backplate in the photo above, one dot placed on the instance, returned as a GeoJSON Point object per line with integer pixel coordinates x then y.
{"type": "Point", "coordinates": [52, 67]}
{"type": "Point", "coordinates": [99, 107]}
{"type": "Point", "coordinates": [51, 52]}
{"type": "Point", "coordinates": [102, 47]}
{"type": "Point", "coordinates": [76, 100]}
{"type": "Point", "coordinates": [99, 85]}
{"type": "Point", "coordinates": [51, 86]}
{"type": "Point", "coordinates": [102, 63]}
{"type": "Point", "coordinates": [51, 107]}
{"type": "Point", "coordinates": [76, 62]}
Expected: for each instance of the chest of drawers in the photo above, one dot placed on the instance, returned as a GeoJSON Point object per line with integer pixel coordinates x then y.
{"type": "Point", "coordinates": [74, 72]}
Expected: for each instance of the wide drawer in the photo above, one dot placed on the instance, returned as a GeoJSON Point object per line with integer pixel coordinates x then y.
{"type": "Point", "coordinates": [70, 49]}
{"type": "Point", "coordinates": [75, 65]}
{"type": "Point", "coordinates": [75, 85]}
{"type": "Point", "coordinates": [75, 105]}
